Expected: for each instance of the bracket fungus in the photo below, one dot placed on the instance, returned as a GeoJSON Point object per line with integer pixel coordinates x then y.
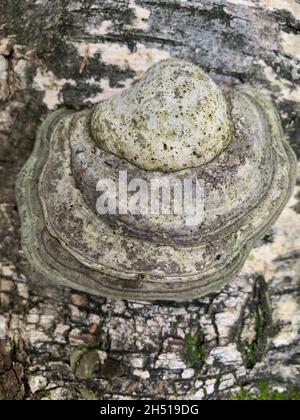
{"type": "Point", "coordinates": [173, 125]}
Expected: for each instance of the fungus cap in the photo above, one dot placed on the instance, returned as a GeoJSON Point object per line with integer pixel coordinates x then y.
{"type": "Point", "coordinates": [235, 145]}
{"type": "Point", "coordinates": [174, 118]}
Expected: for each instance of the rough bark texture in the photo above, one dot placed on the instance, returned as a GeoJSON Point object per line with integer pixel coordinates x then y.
{"type": "Point", "coordinates": [56, 343]}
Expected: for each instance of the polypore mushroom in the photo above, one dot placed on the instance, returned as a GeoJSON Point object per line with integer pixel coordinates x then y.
{"type": "Point", "coordinates": [174, 126]}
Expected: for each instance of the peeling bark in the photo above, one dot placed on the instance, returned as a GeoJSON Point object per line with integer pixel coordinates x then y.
{"type": "Point", "coordinates": [57, 343]}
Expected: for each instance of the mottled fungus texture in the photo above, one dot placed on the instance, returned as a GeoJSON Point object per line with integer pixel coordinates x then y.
{"type": "Point", "coordinates": [174, 122]}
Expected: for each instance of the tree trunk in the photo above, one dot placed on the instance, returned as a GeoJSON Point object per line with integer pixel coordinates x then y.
{"type": "Point", "coordinates": [60, 344]}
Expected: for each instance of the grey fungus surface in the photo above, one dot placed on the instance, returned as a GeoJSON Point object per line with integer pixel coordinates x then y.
{"type": "Point", "coordinates": [174, 118]}
{"type": "Point", "coordinates": [233, 142]}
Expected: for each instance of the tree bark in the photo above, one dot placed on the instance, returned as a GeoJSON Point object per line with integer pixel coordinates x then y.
{"type": "Point", "coordinates": [59, 344]}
